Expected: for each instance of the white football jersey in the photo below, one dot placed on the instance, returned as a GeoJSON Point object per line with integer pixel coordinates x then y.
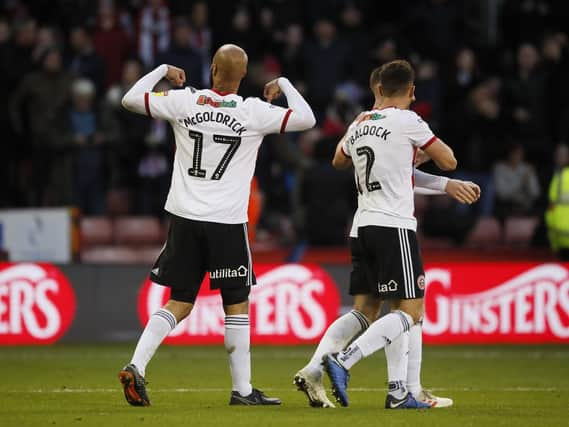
{"type": "Point", "coordinates": [217, 139]}
{"type": "Point", "coordinates": [382, 145]}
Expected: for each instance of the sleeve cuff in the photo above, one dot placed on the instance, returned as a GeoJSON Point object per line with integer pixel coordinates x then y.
{"type": "Point", "coordinates": [344, 152]}
{"type": "Point", "coordinates": [443, 183]}
{"type": "Point", "coordinates": [285, 120]}
{"type": "Point", "coordinates": [429, 142]}
{"type": "Point", "coordinates": [147, 104]}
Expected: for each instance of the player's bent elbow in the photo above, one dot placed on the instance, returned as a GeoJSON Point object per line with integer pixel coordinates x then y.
{"type": "Point", "coordinates": [448, 165]}
{"type": "Point", "coordinates": [311, 122]}
{"type": "Point", "coordinates": [340, 163]}
{"type": "Point", "coordinates": [125, 102]}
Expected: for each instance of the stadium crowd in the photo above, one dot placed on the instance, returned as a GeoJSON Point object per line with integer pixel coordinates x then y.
{"type": "Point", "coordinates": [491, 81]}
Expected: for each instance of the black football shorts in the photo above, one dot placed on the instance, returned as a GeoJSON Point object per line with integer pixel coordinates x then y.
{"type": "Point", "coordinates": [194, 248]}
{"type": "Point", "coordinates": [392, 263]}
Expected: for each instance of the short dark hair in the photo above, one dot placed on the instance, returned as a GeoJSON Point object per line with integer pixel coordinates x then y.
{"type": "Point", "coordinates": [395, 77]}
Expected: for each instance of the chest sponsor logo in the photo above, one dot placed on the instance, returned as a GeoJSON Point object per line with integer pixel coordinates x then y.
{"type": "Point", "coordinates": [206, 100]}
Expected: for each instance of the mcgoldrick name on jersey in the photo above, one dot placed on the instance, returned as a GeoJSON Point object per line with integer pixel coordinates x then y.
{"type": "Point", "coordinates": [215, 117]}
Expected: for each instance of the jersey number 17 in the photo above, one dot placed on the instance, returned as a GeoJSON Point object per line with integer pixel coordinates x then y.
{"type": "Point", "coordinates": [196, 169]}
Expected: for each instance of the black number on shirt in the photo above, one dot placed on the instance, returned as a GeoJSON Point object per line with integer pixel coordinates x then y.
{"type": "Point", "coordinates": [196, 170]}
{"type": "Point", "coordinates": [234, 143]}
{"type": "Point", "coordinates": [368, 153]}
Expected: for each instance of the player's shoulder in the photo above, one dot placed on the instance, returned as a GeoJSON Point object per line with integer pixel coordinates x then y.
{"type": "Point", "coordinates": [408, 118]}
{"type": "Point", "coordinates": [255, 102]}
{"type": "Point", "coordinates": [175, 93]}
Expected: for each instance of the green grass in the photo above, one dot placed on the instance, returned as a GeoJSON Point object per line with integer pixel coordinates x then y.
{"type": "Point", "coordinates": [76, 385]}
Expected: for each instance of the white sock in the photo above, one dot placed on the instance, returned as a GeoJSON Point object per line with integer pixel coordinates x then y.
{"type": "Point", "coordinates": [415, 358]}
{"type": "Point", "coordinates": [381, 332]}
{"type": "Point", "coordinates": [397, 355]}
{"type": "Point", "coordinates": [344, 329]}
{"type": "Point", "coordinates": [158, 327]}
{"type": "Point", "coordinates": [237, 342]}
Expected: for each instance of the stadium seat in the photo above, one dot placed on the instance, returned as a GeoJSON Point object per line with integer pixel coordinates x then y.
{"type": "Point", "coordinates": [138, 230]}
{"type": "Point", "coordinates": [96, 230]}
{"type": "Point", "coordinates": [148, 255]}
{"type": "Point", "coordinates": [110, 255]}
{"type": "Point", "coordinates": [520, 230]}
{"type": "Point", "coordinates": [487, 231]}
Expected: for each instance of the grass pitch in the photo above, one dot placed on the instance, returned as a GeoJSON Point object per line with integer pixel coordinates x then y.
{"type": "Point", "coordinates": [76, 385]}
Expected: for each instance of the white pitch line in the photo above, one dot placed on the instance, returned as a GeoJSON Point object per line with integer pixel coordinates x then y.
{"type": "Point", "coordinates": [216, 390]}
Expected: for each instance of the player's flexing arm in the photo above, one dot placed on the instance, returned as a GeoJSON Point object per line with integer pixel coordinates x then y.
{"type": "Point", "coordinates": [299, 115]}
{"type": "Point", "coordinates": [137, 99]}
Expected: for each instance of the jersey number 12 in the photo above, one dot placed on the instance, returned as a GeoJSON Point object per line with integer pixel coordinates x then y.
{"type": "Point", "coordinates": [196, 169]}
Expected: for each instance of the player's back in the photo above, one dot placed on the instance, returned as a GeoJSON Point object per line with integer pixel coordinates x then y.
{"type": "Point", "coordinates": [217, 139]}
{"type": "Point", "coordinates": [382, 145]}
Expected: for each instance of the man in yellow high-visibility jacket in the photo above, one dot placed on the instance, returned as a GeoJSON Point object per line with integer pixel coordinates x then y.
{"type": "Point", "coordinates": [557, 215]}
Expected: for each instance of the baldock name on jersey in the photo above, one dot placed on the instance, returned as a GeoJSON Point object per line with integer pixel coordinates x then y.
{"type": "Point", "coordinates": [219, 117]}
{"type": "Point", "coordinates": [366, 130]}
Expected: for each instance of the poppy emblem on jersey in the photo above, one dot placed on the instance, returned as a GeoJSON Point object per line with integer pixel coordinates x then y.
{"type": "Point", "coordinates": [421, 282]}
{"type": "Point", "coordinates": [206, 100]}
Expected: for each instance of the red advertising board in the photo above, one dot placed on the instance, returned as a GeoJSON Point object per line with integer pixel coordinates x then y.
{"type": "Point", "coordinates": [291, 304]}
{"type": "Point", "coordinates": [37, 304]}
{"type": "Point", "coordinates": [483, 303]}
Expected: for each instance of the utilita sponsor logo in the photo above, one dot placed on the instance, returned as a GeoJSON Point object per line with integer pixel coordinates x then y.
{"type": "Point", "coordinates": [532, 306]}
{"type": "Point", "coordinates": [290, 304]}
{"type": "Point", "coordinates": [228, 273]}
{"type": "Point", "coordinates": [37, 303]}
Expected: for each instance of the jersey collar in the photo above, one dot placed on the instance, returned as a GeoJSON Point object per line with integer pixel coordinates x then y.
{"type": "Point", "coordinates": [220, 93]}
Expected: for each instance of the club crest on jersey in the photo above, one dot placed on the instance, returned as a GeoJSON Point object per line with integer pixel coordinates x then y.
{"type": "Point", "coordinates": [421, 282]}
{"type": "Point", "coordinates": [206, 100]}
{"type": "Point", "coordinates": [387, 287]}
{"type": "Point", "coordinates": [228, 273]}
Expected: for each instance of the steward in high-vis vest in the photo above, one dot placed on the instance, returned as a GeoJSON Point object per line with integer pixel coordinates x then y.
{"type": "Point", "coordinates": [557, 216]}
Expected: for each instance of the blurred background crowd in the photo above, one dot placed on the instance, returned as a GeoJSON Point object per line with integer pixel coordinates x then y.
{"type": "Point", "coordinates": [491, 81]}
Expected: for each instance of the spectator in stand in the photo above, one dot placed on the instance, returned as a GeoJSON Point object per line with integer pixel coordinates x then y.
{"type": "Point", "coordinates": [525, 98]}
{"type": "Point", "coordinates": [354, 35]}
{"type": "Point", "coordinates": [112, 44]}
{"type": "Point", "coordinates": [428, 92]}
{"type": "Point", "coordinates": [153, 31]}
{"type": "Point", "coordinates": [291, 55]}
{"type": "Point", "coordinates": [46, 37]}
{"type": "Point", "coordinates": [557, 215]}
{"type": "Point", "coordinates": [201, 37]}
{"type": "Point", "coordinates": [477, 140]}
{"type": "Point", "coordinates": [556, 68]}
{"type": "Point", "coordinates": [464, 76]}
{"type": "Point", "coordinates": [516, 183]}
{"type": "Point", "coordinates": [324, 189]}
{"type": "Point", "coordinates": [242, 33]}
{"type": "Point", "coordinates": [126, 149]}
{"type": "Point", "coordinates": [183, 55]}
{"type": "Point", "coordinates": [84, 61]}
{"type": "Point", "coordinates": [38, 115]}
{"type": "Point", "coordinates": [88, 150]}
{"type": "Point", "coordinates": [326, 59]}
{"type": "Point", "coordinates": [154, 170]}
